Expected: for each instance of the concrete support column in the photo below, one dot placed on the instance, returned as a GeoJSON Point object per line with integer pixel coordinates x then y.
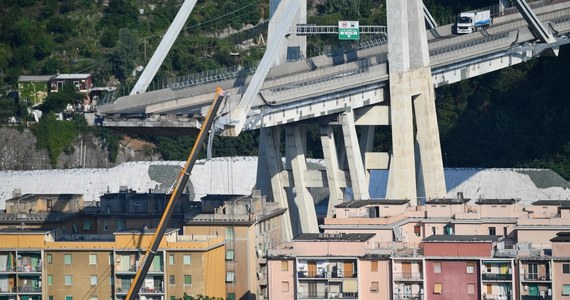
{"type": "Point", "coordinates": [366, 143]}
{"type": "Point", "coordinates": [302, 206]}
{"type": "Point", "coordinates": [353, 156]}
{"type": "Point", "coordinates": [402, 175]}
{"type": "Point", "coordinates": [332, 168]}
{"type": "Point", "coordinates": [293, 43]}
{"type": "Point", "coordinates": [269, 170]}
{"type": "Point", "coordinates": [431, 179]}
{"type": "Point", "coordinates": [414, 168]}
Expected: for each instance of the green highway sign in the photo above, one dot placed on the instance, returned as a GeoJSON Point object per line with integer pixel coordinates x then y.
{"type": "Point", "coordinates": [348, 30]}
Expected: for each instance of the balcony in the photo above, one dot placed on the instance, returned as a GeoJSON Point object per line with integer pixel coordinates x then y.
{"type": "Point", "coordinates": [320, 275]}
{"type": "Point", "coordinates": [408, 297]}
{"type": "Point", "coordinates": [8, 290]}
{"type": "Point", "coordinates": [536, 277]}
{"type": "Point", "coordinates": [145, 290]}
{"type": "Point", "coordinates": [408, 277]}
{"type": "Point", "coordinates": [497, 297]}
{"type": "Point", "coordinates": [326, 295]}
{"type": "Point", "coordinates": [497, 277]}
{"type": "Point", "coordinates": [29, 289]}
{"type": "Point", "coordinates": [526, 297]}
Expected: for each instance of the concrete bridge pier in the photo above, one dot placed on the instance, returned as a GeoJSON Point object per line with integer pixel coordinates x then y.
{"type": "Point", "coordinates": [416, 168]}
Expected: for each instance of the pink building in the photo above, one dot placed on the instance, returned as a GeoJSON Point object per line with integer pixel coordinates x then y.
{"type": "Point", "coordinates": [328, 266]}
{"type": "Point", "coordinates": [561, 265]}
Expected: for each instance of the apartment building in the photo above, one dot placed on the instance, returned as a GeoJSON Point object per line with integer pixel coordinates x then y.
{"type": "Point", "coordinates": [41, 264]}
{"type": "Point", "coordinates": [250, 226]}
{"type": "Point", "coordinates": [328, 266]}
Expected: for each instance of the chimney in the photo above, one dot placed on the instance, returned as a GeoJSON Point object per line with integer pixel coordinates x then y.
{"type": "Point", "coordinates": [17, 193]}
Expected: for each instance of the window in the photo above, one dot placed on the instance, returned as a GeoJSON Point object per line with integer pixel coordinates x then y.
{"type": "Point", "coordinates": [470, 288]}
{"type": "Point", "coordinates": [50, 279]}
{"type": "Point", "coordinates": [92, 259]}
{"type": "Point", "coordinates": [230, 276]}
{"type": "Point", "coordinates": [470, 267]}
{"type": "Point", "coordinates": [230, 254]}
{"type": "Point", "coordinates": [437, 288]}
{"type": "Point", "coordinates": [285, 286]}
{"type": "Point", "coordinates": [566, 268]}
{"type": "Point", "coordinates": [68, 280]}
{"type": "Point", "coordinates": [172, 280]}
{"type": "Point", "coordinates": [67, 259]}
{"type": "Point", "coordinates": [437, 267]}
{"type": "Point", "coordinates": [171, 259]}
{"type": "Point", "coordinates": [433, 230]}
{"type": "Point", "coordinates": [492, 231]}
{"type": "Point", "coordinates": [93, 298]}
{"type": "Point", "coordinates": [187, 259]}
{"type": "Point", "coordinates": [284, 265]}
{"type": "Point", "coordinates": [374, 266]}
{"type": "Point", "coordinates": [50, 297]}
{"type": "Point", "coordinates": [229, 233]}
{"type": "Point", "coordinates": [68, 297]}
{"type": "Point", "coordinates": [93, 280]}
{"type": "Point", "coordinates": [187, 279]}
{"type": "Point", "coordinates": [418, 230]}
{"type": "Point", "coordinates": [105, 225]}
{"type": "Point", "coordinates": [566, 290]}
{"type": "Point", "coordinates": [374, 286]}
{"type": "Point", "coordinates": [87, 225]}
{"type": "Point", "coordinates": [231, 296]}
{"type": "Point", "coordinates": [49, 259]}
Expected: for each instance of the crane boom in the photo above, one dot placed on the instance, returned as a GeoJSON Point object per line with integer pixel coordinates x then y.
{"type": "Point", "coordinates": [175, 196]}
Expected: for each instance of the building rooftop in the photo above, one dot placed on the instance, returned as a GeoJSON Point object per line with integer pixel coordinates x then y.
{"type": "Point", "coordinates": [19, 231]}
{"type": "Point", "coordinates": [35, 197]}
{"type": "Point", "coordinates": [224, 197]}
{"type": "Point", "coordinates": [362, 203]}
{"type": "Point", "coordinates": [561, 237]}
{"type": "Point", "coordinates": [72, 76]}
{"type": "Point", "coordinates": [35, 78]}
{"type": "Point", "coordinates": [438, 238]}
{"type": "Point", "coordinates": [561, 203]}
{"type": "Point", "coordinates": [496, 201]}
{"type": "Point", "coordinates": [146, 231]}
{"type": "Point", "coordinates": [447, 201]}
{"type": "Point", "coordinates": [334, 237]}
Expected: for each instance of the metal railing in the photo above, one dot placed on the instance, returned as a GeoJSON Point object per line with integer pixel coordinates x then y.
{"type": "Point", "coordinates": [498, 277]}
{"type": "Point", "coordinates": [536, 276]}
{"type": "Point", "coordinates": [408, 276]}
{"type": "Point", "coordinates": [327, 274]}
{"type": "Point", "coordinates": [326, 295]}
{"type": "Point", "coordinates": [527, 297]}
{"type": "Point", "coordinates": [408, 296]}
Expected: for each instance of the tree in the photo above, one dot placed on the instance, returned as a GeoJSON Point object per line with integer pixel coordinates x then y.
{"type": "Point", "coordinates": [57, 102]}
{"type": "Point", "coordinates": [123, 59]}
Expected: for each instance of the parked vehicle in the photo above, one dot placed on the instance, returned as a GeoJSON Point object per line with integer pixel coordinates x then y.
{"type": "Point", "coordinates": [469, 22]}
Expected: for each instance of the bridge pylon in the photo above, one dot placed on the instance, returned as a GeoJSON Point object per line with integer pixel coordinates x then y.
{"type": "Point", "coordinates": [416, 167]}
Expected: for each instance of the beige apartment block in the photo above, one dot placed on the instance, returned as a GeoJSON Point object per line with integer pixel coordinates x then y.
{"type": "Point", "coordinates": [43, 264]}
{"type": "Point", "coordinates": [250, 226]}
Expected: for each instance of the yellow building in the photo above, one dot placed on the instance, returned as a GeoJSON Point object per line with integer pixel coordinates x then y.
{"type": "Point", "coordinates": [39, 264]}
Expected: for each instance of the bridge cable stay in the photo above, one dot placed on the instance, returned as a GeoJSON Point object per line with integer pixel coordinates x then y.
{"type": "Point", "coordinates": [535, 24]}
{"type": "Point", "coordinates": [282, 18]}
{"type": "Point", "coordinates": [430, 21]}
{"type": "Point", "coordinates": [164, 47]}
{"type": "Point", "coordinates": [175, 196]}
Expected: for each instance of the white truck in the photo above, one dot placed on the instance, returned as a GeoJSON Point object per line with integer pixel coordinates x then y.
{"type": "Point", "coordinates": [470, 21]}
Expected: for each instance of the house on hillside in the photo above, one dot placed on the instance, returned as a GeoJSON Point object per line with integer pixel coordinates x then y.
{"type": "Point", "coordinates": [34, 89]}
{"type": "Point", "coordinates": [82, 82]}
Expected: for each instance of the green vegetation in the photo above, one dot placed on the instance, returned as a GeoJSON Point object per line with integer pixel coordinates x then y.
{"type": "Point", "coordinates": [512, 118]}
{"type": "Point", "coordinates": [56, 136]}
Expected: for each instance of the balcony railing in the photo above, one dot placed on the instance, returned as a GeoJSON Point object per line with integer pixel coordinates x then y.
{"type": "Point", "coordinates": [151, 291]}
{"type": "Point", "coordinates": [408, 276]}
{"type": "Point", "coordinates": [497, 297]}
{"type": "Point", "coordinates": [8, 290]}
{"type": "Point", "coordinates": [536, 277]}
{"type": "Point", "coordinates": [327, 295]}
{"type": "Point", "coordinates": [314, 274]}
{"type": "Point", "coordinates": [408, 297]}
{"type": "Point", "coordinates": [498, 277]}
{"type": "Point", "coordinates": [526, 297]}
{"type": "Point", "coordinates": [29, 289]}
